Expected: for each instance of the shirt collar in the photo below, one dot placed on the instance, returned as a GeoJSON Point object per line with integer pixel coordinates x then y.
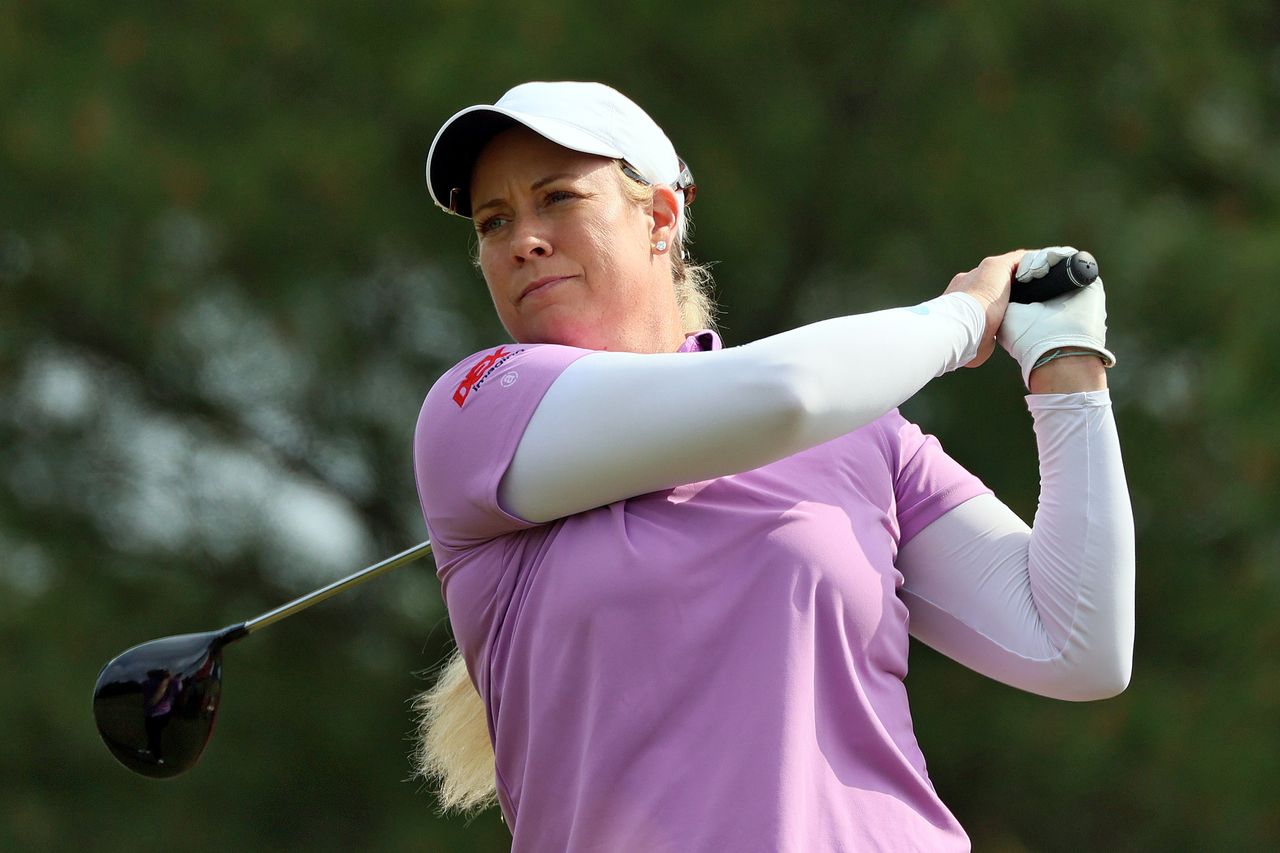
{"type": "Point", "coordinates": [701, 341]}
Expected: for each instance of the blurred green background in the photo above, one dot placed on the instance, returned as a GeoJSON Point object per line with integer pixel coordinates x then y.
{"type": "Point", "coordinates": [224, 292]}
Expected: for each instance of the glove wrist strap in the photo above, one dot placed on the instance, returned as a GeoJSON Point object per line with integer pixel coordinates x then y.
{"type": "Point", "coordinates": [1062, 352]}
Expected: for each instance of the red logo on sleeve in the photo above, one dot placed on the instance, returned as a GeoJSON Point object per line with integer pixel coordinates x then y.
{"type": "Point", "coordinates": [478, 373]}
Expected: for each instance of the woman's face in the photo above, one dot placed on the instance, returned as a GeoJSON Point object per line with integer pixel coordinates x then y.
{"type": "Point", "coordinates": [567, 257]}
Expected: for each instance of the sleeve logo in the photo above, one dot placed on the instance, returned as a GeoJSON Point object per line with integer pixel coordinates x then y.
{"type": "Point", "coordinates": [479, 372]}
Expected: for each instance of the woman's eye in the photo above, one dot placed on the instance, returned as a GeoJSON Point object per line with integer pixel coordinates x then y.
{"type": "Point", "coordinates": [490, 225]}
{"type": "Point", "coordinates": [558, 196]}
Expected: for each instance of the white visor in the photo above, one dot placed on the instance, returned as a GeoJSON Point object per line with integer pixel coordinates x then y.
{"type": "Point", "coordinates": [587, 117]}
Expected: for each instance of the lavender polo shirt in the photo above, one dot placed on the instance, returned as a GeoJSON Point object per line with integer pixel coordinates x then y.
{"type": "Point", "coordinates": [718, 666]}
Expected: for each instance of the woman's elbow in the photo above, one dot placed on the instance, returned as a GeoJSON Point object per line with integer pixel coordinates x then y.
{"type": "Point", "coordinates": [1102, 677]}
{"type": "Point", "coordinates": [786, 402]}
{"type": "Point", "coordinates": [1107, 687]}
{"type": "Point", "coordinates": [808, 409]}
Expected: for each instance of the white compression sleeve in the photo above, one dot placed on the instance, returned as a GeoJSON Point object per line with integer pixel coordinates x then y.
{"type": "Point", "coordinates": [1049, 610]}
{"type": "Point", "coordinates": [616, 425]}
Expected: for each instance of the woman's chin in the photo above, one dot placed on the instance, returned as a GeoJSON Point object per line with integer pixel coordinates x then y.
{"type": "Point", "coordinates": [556, 324]}
{"type": "Point", "coordinates": [564, 335]}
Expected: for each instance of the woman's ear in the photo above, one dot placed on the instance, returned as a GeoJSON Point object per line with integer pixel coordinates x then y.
{"type": "Point", "coordinates": [666, 213]}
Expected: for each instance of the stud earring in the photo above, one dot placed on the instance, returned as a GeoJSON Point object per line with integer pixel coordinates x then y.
{"type": "Point", "coordinates": [661, 245]}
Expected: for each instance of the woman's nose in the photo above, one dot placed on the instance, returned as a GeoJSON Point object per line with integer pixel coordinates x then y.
{"type": "Point", "coordinates": [530, 243]}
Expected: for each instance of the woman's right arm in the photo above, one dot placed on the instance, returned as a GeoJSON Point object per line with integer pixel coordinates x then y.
{"type": "Point", "coordinates": [616, 425]}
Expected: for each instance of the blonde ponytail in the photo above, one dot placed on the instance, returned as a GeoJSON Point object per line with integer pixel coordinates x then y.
{"type": "Point", "coordinates": [454, 753]}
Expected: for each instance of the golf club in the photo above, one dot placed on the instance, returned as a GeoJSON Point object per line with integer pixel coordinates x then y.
{"type": "Point", "coordinates": [1079, 270]}
{"type": "Point", "coordinates": [155, 704]}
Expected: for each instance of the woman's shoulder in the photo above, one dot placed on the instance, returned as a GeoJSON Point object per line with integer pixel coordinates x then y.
{"type": "Point", "coordinates": [467, 432]}
{"type": "Point", "coordinates": [460, 384]}
{"type": "Point", "coordinates": [901, 441]}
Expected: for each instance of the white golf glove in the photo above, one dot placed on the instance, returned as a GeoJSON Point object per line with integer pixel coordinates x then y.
{"type": "Point", "coordinates": [1077, 319]}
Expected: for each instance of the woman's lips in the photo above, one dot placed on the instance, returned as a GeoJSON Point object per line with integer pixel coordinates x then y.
{"type": "Point", "coordinates": [541, 284]}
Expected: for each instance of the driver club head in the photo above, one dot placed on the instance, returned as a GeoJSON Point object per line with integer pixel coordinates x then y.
{"type": "Point", "coordinates": [155, 704]}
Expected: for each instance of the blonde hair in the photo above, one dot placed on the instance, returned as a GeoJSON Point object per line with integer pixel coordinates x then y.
{"type": "Point", "coordinates": [454, 753]}
{"type": "Point", "coordinates": [692, 280]}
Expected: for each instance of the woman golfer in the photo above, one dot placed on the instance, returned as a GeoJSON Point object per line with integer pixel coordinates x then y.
{"type": "Point", "coordinates": [681, 576]}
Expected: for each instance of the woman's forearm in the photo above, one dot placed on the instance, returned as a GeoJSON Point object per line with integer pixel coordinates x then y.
{"type": "Point", "coordinates": [1049, 609]}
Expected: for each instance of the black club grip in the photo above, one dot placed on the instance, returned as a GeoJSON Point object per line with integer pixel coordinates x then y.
{"type": "Point", "coordinates": [1079, 270]}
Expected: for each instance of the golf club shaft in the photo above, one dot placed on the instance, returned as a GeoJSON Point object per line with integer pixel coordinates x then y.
{"type": "Point", "coordinates": [368, 573]}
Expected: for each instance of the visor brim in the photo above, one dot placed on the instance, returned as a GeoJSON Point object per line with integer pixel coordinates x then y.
{"type": "Point", "coordinates": [459, 142]}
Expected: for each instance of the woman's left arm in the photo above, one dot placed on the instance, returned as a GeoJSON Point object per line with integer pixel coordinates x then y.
{"type": "Point", "coordinates": [1048, 609]}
